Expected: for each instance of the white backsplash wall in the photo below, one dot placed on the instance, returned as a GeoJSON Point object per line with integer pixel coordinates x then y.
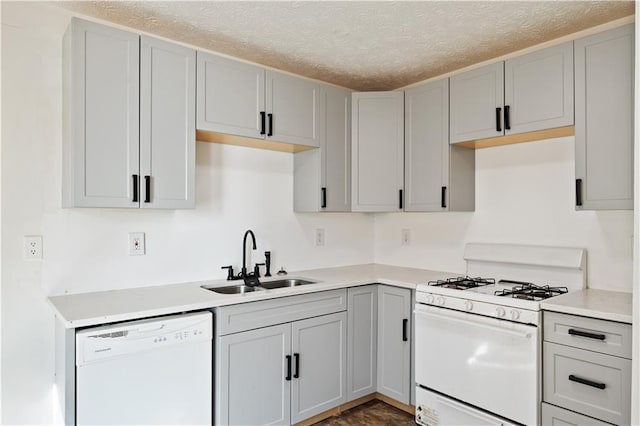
{"type": "Point", "coordinates": [87, 249]}
{"type": "Point", "coordinates": [524, 195]}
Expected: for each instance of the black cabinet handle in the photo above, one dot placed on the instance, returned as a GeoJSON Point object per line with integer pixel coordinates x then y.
{"type": "Point", "coordinates": [443, 197]}
{"type": "Point", "coordinates": [507, 118]}
{"type": "Point", "coordinates": [296, 375]}
{"type": "Point", "coordinates": [270, 125]}
{"type": "Point", "coordinates": [135, 188]}
{"type": "Point", "coordinates": [288, 376]}
{"type": "Point", "coordinates": [324, 198]}
{"type": "Point", "coordinates": [587, 382]}
{"type": "Point", "coordinates": [498, 125]}
{"type": "Point", "coordinates": [401, 200]}
{"type": "Point", "coordinates": [578, 192]}
{"type": "Point", "coordinates": [596, 336]}
{"type": "Point", "coordinates": [263, 119]}
{"type": "Point", "coordinates": [147, 189]}
{"type": "Point", "coordinates": [405, 337]}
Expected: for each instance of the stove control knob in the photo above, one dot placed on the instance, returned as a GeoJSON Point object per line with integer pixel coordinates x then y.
{"type": "Point", "coordinates": [500, 312]}
{"type": "Point", "coordinates": [468, 305]}
{"type": "Point", "coordinates": [430, 299]}
{"type": "Point", "coordinates": [441, 301]}
{"type": "Point", "coordinates": [515, 314]}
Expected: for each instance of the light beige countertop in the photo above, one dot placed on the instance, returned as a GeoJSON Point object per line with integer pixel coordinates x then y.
{"type": "Point", "coordinates": [87, 309]}
{"type": "Point", "coordinates": [602, 304]}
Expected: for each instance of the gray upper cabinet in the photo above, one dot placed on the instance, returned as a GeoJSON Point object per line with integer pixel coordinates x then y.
{"type": "Point", "coordinates": [438, 176]}
{"type": "Point", "coordinates": [230, 96]}
{"type": "Point", "coordinates": [528, 93]}
{"type": "Point", "coordinates": [101, 116]}
{"type": "Point", "coordinates": [377, 151]}
{"type": "Point", "coordinates": [477, 99]}
{"type": "Point", "coordinates": [322, 177]}
{"type": "Point", "coordinates": [129, 139]}
{"type": "Point", "coordinates": [394, 347]}
{"type": "Point", "coordinates": [167, 133]}
{"type": "Point", "coordinates": [362, 346]}
{"type": "Point", "coordinates": [293, 109]}
{"type": "Point", "coordinates": [538, 90]}
{"type": "Point", "coordinates": [604, 66]}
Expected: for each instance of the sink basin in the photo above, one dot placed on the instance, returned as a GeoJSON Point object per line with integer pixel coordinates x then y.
{"type": "Point", "coordinates": [290, 282]}
{"type": "Point", "coordinates": [234, 289]}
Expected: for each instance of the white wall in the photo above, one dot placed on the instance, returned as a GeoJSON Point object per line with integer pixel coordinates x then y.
{"type": "Point", "coordinates": [86, 249]}
{"type": "Point", "coordinates": [524, 195]}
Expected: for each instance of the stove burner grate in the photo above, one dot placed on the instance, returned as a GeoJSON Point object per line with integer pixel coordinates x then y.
{"type": "Point", "coordinates": [529, 291]}
{"type": "Point", "coordinates": [463, 283]}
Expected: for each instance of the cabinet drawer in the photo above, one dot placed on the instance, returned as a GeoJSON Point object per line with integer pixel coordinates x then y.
{"type": "Point", "coordinates": [556, 416]}
{"type": "Point", "coordinates": [587, 382]}
{"type": "Point", "coordinates": [597, 335]}
{"type": "Point", "coordinates": [247, 316]}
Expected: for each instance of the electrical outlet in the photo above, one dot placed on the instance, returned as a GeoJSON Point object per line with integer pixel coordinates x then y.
{"type": "Point", "coordinates": [319, 237]}
{"type": "Point", "coordinates": [136, 244]}
{"type": "Point", "coordinates": [32, 247]}
{"type": "Point", "coordinates": [406, 237]}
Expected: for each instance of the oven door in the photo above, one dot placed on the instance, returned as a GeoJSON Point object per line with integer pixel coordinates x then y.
{"type": "Point", "coordinates": [489, 363]}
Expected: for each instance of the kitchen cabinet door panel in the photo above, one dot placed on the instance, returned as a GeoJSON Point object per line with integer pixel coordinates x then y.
{"type": "Point", "coordinates": [605, 119]}
{"type": "Point", "coordinates": [251, 388]}
{"type": "Point", "coordinates": [319, 365]}
{"type": "Point", "coordinates": [230, 96]}
{"type": "Point", "coordinates": [377, 151]}
{"type": "Point", "coordinates": [394, 349]}
{"type": "Point", "coordinates": [539, 89]}
{"type": "Point", "coordinates": [167, 133]}
{"type": "Point", "coordinates": [295, 107]}
{"type": "Point", "coordinates": [474, 97]}
{"type": "Point", "coordinates": [362, 346]}
{"type": "Point", "coordinates": [101, 115]}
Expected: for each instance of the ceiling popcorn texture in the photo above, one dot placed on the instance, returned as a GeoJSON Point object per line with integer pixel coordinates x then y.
{"type": "Point", "coordinates": [367, 45]}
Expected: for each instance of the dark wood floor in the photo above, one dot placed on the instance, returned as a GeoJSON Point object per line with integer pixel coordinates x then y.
{"type": "Point", "coordinates": [371, 413]}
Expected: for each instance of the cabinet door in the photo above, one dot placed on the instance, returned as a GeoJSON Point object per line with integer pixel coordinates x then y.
{"type": "Point", "coordinates": [101, 116]}
{"type": "Point", "coordinates": [426, 156]}
{"type": "Point", "coordinates": [251, 377]}
{"type": "Point", "coordinates": [477, 98]}
{"type": "Point", "coordinates": [394, 333]}
{"type": "Point", "coordinates": [538, 90]}
{"type": "Point", "coordinates": [293, 109]}
{"type": "Point", "coordinates": [167, 132]}
{"type": "Point", "coordinates": [230, 96]}
{"type": "Point", "coordinates": [377, 151]}
{"type": "Point", "coordinates": [322, 177]}
{"type": "Point", "coordinates": [604, 65]}
{"type": "Point", "coordinates": [362, 345]}
{"type": "Point", "coordinates": [319, 348]}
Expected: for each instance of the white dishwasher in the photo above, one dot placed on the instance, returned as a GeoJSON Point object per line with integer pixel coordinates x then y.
{"type": "Point", "coordinates": [147, 372]}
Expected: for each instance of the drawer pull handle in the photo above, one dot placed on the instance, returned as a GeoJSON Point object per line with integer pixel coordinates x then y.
{"type": "Point", "coordinates": [586, 382]}
{"type": "Point", "coordinates": [596, 336]}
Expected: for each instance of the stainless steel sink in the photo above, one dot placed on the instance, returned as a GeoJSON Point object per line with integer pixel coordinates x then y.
{"type": "Point", "coordinates": [290, 282]}
{"type": "Point", "coordinates": [234, 289]}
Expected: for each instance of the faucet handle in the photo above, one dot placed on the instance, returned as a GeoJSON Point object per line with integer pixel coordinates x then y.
{"type": "Point", "coordinates": [256, 269]}
{"type": "Point", "coordinates": [229, 269]}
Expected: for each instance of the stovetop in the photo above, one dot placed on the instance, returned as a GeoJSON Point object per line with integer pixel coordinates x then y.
{"type": "Point", "coordinates": [503, 288]}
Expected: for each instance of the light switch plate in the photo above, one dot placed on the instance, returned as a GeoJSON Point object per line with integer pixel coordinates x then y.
{"type": "Point", "coordinates": [136, 244]}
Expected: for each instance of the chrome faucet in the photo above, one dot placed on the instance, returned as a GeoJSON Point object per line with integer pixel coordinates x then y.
{"type": "Point", "coordinates": [243, 272]}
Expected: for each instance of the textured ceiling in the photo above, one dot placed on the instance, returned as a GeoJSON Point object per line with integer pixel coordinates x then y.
{"type": "Point", "coordinates": [368, 45]}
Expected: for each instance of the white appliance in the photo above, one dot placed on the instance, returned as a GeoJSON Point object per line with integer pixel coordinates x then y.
{"type": "Point", "coordinates": [478, 340]}
{"type": "Point", "coordinates": [147, 372]}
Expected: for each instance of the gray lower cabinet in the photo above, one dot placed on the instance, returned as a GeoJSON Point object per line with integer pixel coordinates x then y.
{"type": "Point", "coordinates": [556, 416]}
{"type": "Point", "coordinates": [377, 151]}
{"type": "Point", "coordinates": [604, 78]}
{"type": "Point", "coordinates": [580, 371]}
{"type": "Point", "coordinates": [362, 347]}
{"type": "Point", "coordinates": [322, 177]}
{"type": "Point", "coordinates": [437, 176]}
{"type": "Point", "coordinates": [394, 347]}
{"type": "Point", "coordinates": [128, 110]}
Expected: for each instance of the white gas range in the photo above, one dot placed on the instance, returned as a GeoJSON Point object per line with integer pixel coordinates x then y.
{"type": "Point", "coordinates": [478, 337]}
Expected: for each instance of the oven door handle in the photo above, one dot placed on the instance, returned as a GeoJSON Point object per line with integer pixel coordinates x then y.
{"type": "Point", "coordinates": [420, 310]}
